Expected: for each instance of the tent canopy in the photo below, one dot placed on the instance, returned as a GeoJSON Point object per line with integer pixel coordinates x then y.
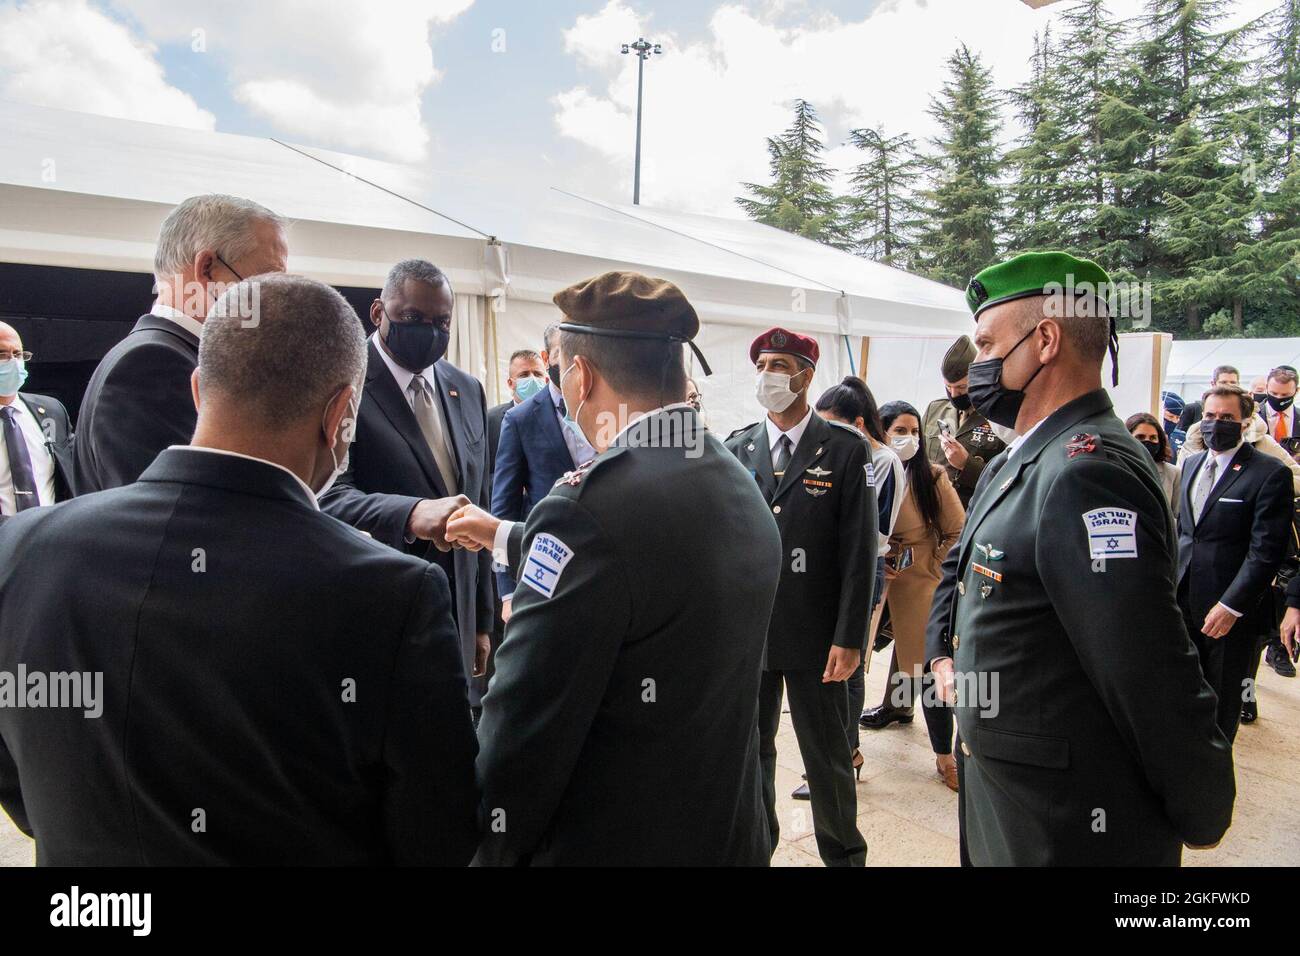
{"type": "Point", "coordinates": [1193, 361]}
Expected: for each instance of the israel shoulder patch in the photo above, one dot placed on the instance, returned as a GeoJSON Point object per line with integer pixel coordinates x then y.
{"type": "Point", "coordinates": [545, 563]}
{"type": "Point", "coordinates": [1112, 533]}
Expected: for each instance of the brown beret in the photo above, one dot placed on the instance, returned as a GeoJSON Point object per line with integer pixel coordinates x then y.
{"type": "Point", "coordinates": [956, 361]}
{"type": "Point", "coordinates": [628, 302]}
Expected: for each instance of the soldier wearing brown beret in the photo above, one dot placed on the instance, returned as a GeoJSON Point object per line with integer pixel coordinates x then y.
{"type": "Point", "coordinates": [619, 727]}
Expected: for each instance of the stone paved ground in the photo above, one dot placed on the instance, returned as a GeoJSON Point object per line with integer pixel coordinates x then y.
{"type": "Point", "coordinates": [910, 818]}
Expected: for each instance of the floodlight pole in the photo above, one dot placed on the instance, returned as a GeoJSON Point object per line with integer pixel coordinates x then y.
{"type": "Point", "coordinates": [643, 50]}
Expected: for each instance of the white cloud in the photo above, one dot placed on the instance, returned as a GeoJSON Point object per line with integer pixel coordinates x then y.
{"type": "Point", "coordinates": [333, 73]}
{"type": "Point", "coordinates": [66, 54]}
{"type": "Point", "coordinates": [710, 103]}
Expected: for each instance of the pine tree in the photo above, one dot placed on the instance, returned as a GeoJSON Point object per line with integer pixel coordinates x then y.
{"type": "Point", "coordinates": [884, 213]}
{"type": "Point", "coordinates": [963, 203]}
{"type": "Point", "coordinates": [799, 198]}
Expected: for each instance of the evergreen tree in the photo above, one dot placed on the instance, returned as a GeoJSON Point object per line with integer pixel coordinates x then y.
{"type": "Point", "coordinates": [799, 198]}
{"type": "Point", "coordinates": [963, 204]}
{"type": "Point", "coordinates": [884, 213]}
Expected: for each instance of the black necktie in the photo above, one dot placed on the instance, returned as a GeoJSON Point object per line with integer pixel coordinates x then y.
{"type": "Point", "coordinates": [20, 463]}
{"type": "Point", "coordinates": [559, 405]}
{"type": "Point", "coordinates": [782, 456]}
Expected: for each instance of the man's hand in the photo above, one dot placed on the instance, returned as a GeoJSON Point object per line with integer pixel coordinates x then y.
{"type": "Point", "coordinates": [473, 528]}
{"type": "Point", "coordinates": [841, 664]}
{"type": "Point", "coordinates": [482, 648]}
{"type": "Point", "coordinates": [505, 609]}
{"type": "Point", "coordinates": [1218, 622]}
{"type": "Point", "coordinates": [945, 680]}
{"type": "Point", "coordinates": [954, 451]}
{"type": "Point", "coordinates": [1290, 626]}
{"type": "Point", "coordinates": [428, 520]}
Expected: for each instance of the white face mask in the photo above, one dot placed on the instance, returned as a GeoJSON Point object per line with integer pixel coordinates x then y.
{"type": "Point", "coordinates": [905, 446]}
{"type": "Point", "coordinates": [774, 392]}
{"type": "Point", "coordinates": [349, 422]}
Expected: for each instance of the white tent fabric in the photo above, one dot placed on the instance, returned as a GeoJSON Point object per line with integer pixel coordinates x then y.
{"type": "Point", "coordinates": [87, 191]}
{"type": "Point", "coordinates": [1192, 362]}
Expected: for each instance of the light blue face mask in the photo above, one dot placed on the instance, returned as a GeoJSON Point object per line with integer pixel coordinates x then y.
{"type": "Point", "coordinates": [568, 418]}
{"type": "Point", "coordinates": [13, 373]}
{"type": "Point", "coordinates": [527, 387]}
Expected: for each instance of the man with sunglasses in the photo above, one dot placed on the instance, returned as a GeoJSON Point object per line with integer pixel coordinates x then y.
{"type": "Point", "coordinates": [138, 401]}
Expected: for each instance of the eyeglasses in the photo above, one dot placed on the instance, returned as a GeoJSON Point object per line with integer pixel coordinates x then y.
{"type": "Point", "coordinates": [6, 355]}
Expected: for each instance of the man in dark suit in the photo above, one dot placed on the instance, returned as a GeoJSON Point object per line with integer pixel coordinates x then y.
{"type": "Point", "coordinates": [421, 445]}
{"type": "Point", "coordinates": [1079, 744]}
{"type": "Point", "coordinates": [813, 476]}
{"type": "Point", "coordinates": [527, 377]}
{"type": "Point", "coordinates": [35, 436]}
{"type": "Point", "coordinates": [619, 729]}
{"type": "Point", "coordinates": [536, 448]}
{"type": "Point", "coordinates": [138, 400]}
{"type": "Point", "coordinates": [236, 705]}
{"type": "Point", "coordinates": [1278, 409]}
{"type": "Point", "coordinates": [1234, 522]}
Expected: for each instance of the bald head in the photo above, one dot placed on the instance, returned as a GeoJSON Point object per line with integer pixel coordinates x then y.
{"type": "Point", "coordinates": [276, 348]}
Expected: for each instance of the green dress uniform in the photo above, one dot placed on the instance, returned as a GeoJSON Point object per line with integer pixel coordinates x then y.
{"type": "Point", "coordinates": [825, 509]}
{"type": "Point", "coordinates": [973, 432]}
{"type": "Point", "coordinates": [619, 728]}
{"type": "Point", "coordinates": [1088, 732]}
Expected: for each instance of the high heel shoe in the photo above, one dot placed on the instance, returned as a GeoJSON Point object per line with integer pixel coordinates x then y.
{"type": "Point", "coordinates": [858, 761]}
{"type": "Point", "coordinates": [878, 718]}
{"type": "Point", "coordinates": [803, 793]}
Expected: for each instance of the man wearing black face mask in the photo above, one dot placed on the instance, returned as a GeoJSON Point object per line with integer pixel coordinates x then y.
{"type": "Point", "coordinates": [1233, 526]}
{"type": "Point", "coordinates": [421, 446]}
{"type": "Point", "coordinates": [1278, 408]}
{"type": "Point", "coordinates": [1088, 734]}
{"type": "Point", "coordinates": [958, 436]}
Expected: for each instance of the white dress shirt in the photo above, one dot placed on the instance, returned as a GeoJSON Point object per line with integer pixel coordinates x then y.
{"type": "Point", "coordinates": [1019, 440]}
{"type": "Point", "coordinates": [1223, 461]}
{"type": "Point", "coordinates": [307, 492]}
{"type": "Point", "coordinates": [192, 326]}
{"type": "Point", "coordinates": [580, 449]}
{"type": "Point", "coordinates": [796, 431]}
{"type": "Point", "coordinates": [42, 460]}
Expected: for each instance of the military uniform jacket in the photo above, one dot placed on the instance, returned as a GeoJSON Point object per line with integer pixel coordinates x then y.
{"type": "Point", "coordinates": [973, 433]}
{"type": "Point", "coordinates": [826, 512]}
{"type": "Point", "coordinates": [620, 727]}
{"type": "Point", "coordinates": [1088, 730]}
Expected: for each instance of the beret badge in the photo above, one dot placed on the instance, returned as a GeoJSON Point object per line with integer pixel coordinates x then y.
{"type": "Point", "coordinates": [779, 339]}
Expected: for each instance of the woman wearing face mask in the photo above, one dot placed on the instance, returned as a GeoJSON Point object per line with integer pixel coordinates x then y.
{"type": "Point", "coordinates": [929, 522]}
{"type": "Point", "coordinates": [1144, 427]}
{"type": "Point", "coordinates": [851, 403]}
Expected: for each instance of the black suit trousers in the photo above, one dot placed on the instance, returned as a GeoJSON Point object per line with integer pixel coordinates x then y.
{"type": "Point", "coordinates": [1228, 664]}
{"type": "Point", "coordinates": [820, 714]}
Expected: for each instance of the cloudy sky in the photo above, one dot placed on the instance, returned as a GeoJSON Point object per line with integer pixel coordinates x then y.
{"type": "Point", "coordinates": [536, 92]}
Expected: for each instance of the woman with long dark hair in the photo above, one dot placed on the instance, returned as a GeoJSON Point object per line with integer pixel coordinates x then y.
{"type": "Point", "coordinates": [851, 403]}
{"type": "Point", "coordinates": [1144, 427]}
{"type": "Point", "coordinates": [929, 522]}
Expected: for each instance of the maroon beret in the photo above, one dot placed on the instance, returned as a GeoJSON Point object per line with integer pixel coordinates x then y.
{"type": "Point", "coordinates": [783, 340]}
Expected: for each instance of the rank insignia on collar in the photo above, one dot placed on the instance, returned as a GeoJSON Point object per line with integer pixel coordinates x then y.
{"type": "Point", "coordinates": [573, 478]}
{"type": "Point", "coordinates": [1080, 444]}
{"type": "Point", "coordinates": [990, 552]}
{"type": "Point", "coordinates": [749, 447]}
{"type": "Point", "coordinates": [818, 472]}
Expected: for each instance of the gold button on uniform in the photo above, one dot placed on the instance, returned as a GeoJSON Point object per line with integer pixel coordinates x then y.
{"type": "Point", "coordinates": [956, 641]}
{"type": "Point", "coordinates": [961, 588]}
{"type": "Point", "coordinates": [964, 749]}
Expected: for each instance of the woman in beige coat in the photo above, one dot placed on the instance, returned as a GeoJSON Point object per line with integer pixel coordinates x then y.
{"type": "Point", "coordinates": [928, 525]}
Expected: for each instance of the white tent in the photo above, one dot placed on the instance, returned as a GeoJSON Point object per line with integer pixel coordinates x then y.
{"type": "Point", "coordinates": [86, 191]}
{"type": "Point", "coordinates": [1192, 361]}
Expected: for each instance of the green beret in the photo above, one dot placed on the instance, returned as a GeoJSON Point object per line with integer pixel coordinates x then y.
{"type": "Point", "coordinates": [956, 361]}
{"type": "Point", "coordinates": [1035, 273]}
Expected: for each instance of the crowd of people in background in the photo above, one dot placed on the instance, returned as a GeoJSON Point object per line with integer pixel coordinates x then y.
{"type": "Point", "coordinates": [527, 595]}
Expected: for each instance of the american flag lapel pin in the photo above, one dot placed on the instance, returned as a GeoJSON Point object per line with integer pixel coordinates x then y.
{"type": "Point", "coordinates": [453, 393]}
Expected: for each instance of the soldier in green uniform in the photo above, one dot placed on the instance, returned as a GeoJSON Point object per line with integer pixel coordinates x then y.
{"type": "Point", "coordinates": [619, 728]}
{"type": "Point", "coordinates": [1088, 732]}
{"type": "Point", "coordinates": [957, 435]}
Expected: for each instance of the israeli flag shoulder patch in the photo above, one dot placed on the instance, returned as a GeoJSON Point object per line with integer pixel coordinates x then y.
{"type": "Point", "coordinates": [1112, 533]}
{"type": "Point", "coordinates": [545, 563]}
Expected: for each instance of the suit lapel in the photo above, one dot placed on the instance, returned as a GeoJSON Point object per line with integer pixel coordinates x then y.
{"type": "Point", "coordinates": [811, 446]}
{"type": "Point", "coordinates": [547, 414]}
{"type": "Point", "coordinates": [454, 417]}
{"type": "Point", "coordinates": [1223, 483]}
{"type": "Point", "coordinates": [972, 420]}
{"type": "Point", "coordinates": [381, 385]}
{"type": "Point", "coordinates": [1193, 474]}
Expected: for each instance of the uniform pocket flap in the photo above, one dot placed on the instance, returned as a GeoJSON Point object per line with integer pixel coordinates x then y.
{"type": "Point", "coordinates": [1051, 752]}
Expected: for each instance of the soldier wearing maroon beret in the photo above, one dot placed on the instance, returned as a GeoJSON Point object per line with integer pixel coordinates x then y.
{"type": "Point", "coordinates": [619, 726]}
{"type": "Point", "coordinates": [813, 476]}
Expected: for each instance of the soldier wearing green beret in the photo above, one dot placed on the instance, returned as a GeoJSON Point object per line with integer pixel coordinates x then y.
{"type": "Point", "coordinates": [619, 728]}
{"type": "Point", "coordinates": [957, 435]}
{"type": "Point", "coordinates": [1088, 733]}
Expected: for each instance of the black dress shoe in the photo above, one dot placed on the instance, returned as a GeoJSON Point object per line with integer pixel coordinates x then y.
{"type": "Point", "coordinates": [1276, 657]}
{"type": "Point", "coordinates": [1249, 712]}
{"type": "Point", "coordinates": [877, 718]}
{"type": "Point", "coordinates": [801, 793]}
